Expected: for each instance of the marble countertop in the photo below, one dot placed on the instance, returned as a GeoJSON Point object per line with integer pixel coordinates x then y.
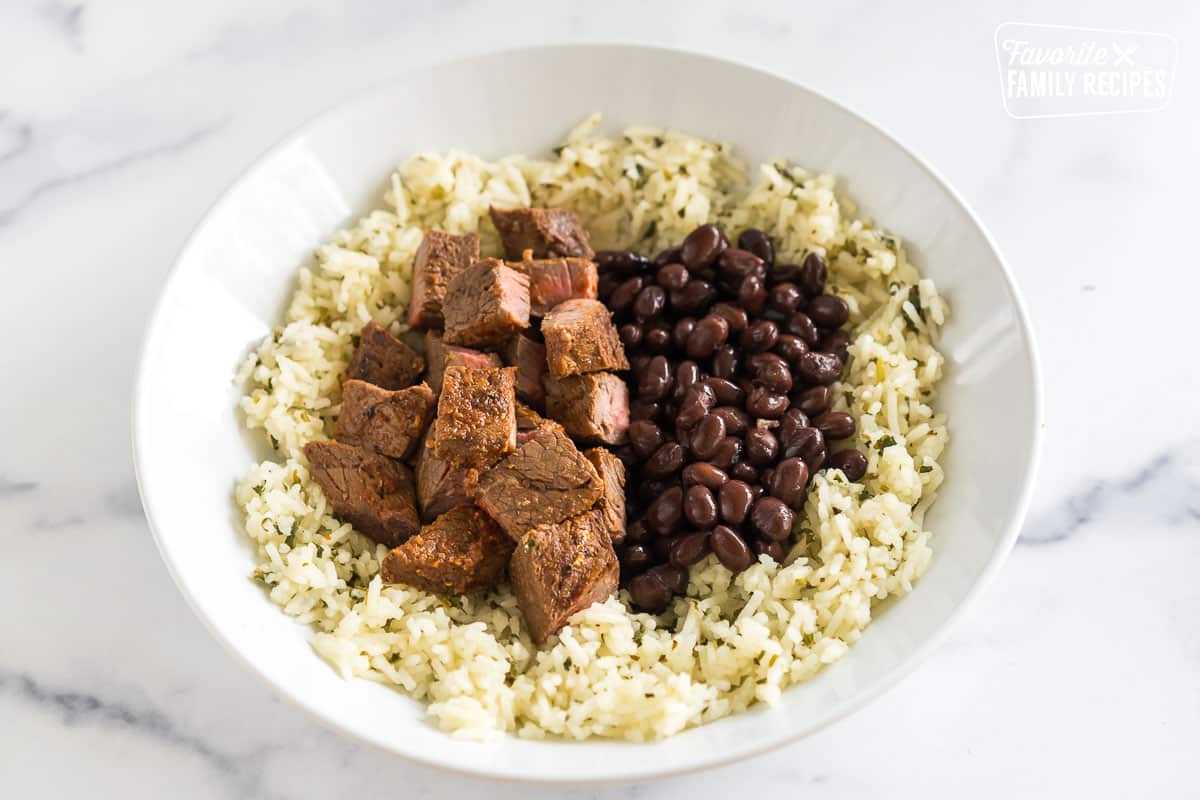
{"type": "Point", "coordinates": [1077, 674]}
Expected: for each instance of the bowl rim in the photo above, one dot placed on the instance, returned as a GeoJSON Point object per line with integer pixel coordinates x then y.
{"type": "Point", "coordinates": [839, 711]}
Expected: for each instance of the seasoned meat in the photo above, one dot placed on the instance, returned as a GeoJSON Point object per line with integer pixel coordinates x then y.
{"type": "Point", "coordinates": [486, 304]}
{"type": "Point", "coordinates": [476, 417]}
{"type": "Point", "coordinates": [529, 357]}
{"type": "Point", "coordinates": [592, 407]}
{"type": "Point", "coordinates": [440, 257]}
{"type": "Point", "coordinates": [390, 423]}
{"type": "Point", "coordinates": [529, 422]}
{"type": "Point", "coordinates": [553, 280]}
{"type": "Point", "coordinates": [461, 552]}
{"type": "Point", "coordinates": [546, 480]}
{"type": "Point", "coordinates": [612, 502]}
{"type": "Point", "coordinates": [371, 492]}
{"type": "Point", "coordinates": [441, 485]}
{"type": "Point", "coordinates": [580, 338]}
{"type": "Point", "coordinates": [384, 360]}
{"type": "Point", "coordinates": [547, 232]}
{"type": "Point", "coordinates": [439, 355]}
{"type": "Point", "coordinates": [560, 569]}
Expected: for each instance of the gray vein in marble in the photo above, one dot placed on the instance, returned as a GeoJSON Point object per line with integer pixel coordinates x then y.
{"type": "Point", "coordinates": [1160, 485]}
{"type": "Point", "coordinates": [12, 211]}
{"type": "Point", "coordinates": [9, 486]}
{"type": "Point", "coordinates": [75, 708]}
{"type": "Point", "coordinates": [15, 137]}
{"type": "Point", "coordinates": [67, 18]}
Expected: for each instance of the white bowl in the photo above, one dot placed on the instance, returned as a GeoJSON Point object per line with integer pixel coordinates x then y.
{"type": "Point", "coordinates": [234, 275]}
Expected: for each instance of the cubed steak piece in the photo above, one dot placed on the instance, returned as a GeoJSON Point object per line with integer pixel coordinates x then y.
{"type": "Point", "coordinates": [553, 280]}
{"type": "Point", "coordinates": [486, 304]}
{"type": "Point", "coordinates": [529, 357]}
{"type": "Point", "coordinates": [546, 232]}
{"type": "Point", "coordinates": [440, 257]}
{"type": "Point", "coordinates": [439, 355]}
{"type": "Point", "coordinates": [372, 492]}
{"type": "Point", "coordinates": [592, 407]}
{"type": "Point", "coordinates": [476, 417]}
{"type": "Point", "coordinates": [461, 552]}
{"type": "Point", "coordinates": [441, 485]}
{"type": "Point", "coordinates": [560, 569]}
{"type": "Point", "coordinates": [389, 423]}
{"type": "Point", "coordinates": [529, 422]}
{"type": "Point", "coordinates": [580, 338]}
{"type": "Point", "coordinates": [612, 503]}
{"type": "Point", "coordinates": [546, 480]}
{"type": "Point", "coordinates": [384, 360]}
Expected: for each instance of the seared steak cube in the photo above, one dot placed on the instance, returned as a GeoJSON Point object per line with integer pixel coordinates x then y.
{"type": "Point", "coordinates": [553, 280]}
{"type": "Point", "coordinates": [592, 407]}
{"type": "Point", "coordinates": [546, 480]}
{"type": "Point", "coordinates": [529, 422]}
{"type": "Point", "coordinates": [440, 257]}
{"type": "Point", "coordinates": [476, 418]}
{"type": "Point", "coordinates": [439, 355]}
{"type": "Point", "coordinates": [580, 338]}
{"type": "Point", "coordinates": [546, 232]}
{"type": "Point", "coordinates": [560, 569]}
{"type": "Point", "coordinates": [461, 552]}
{"type": "Point", "coordinates": [486, 304]}
{"type": "Point", "coordinates": [371, 492]}
{"type": "Point", "coordinates": [390, 423]}
{"type": "Point", "coordinates": [529, 357]}
{"type": "Point", "coordinates": [384, 360]}
{"type": "Point", "coordinates": [612, 502]}
{"type": "Point", "coordinates": [441, 485]}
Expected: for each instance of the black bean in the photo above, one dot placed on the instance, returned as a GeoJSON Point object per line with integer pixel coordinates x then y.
{"type": "Point", "coordinates": [694, 298]}
{"type": "Point", "coordinates": [645, 437]}
{"type": "Point", "coordinates": [665, 512]}
{"type": "Point", "coordinates": [771, 371]}
{"type": "Point", "coordinates": [803, 443]}
{"type": "Point", "coordinates": [702, 473]}
{"type": "Point", "coordinates": [828, 311]}
{"type": "Point", "coordinates": [657, 338]}
{"type": "Point", "coordinates": [793, 420]}
{"type": "Point", "coordinates": [790, 347]}
{"type": "Point", "coordinates": [637, 558]}
{"type": "Point", "coordinates": [812, 274]}
{"type": "Point", "coordinates": [738, 264]}
{"type": "Point", "coordinates": [815, 400]}
{"type": "Point", "coordinates": [689, 548]}
{"type": "Point", "coordinates": [836, 342]}
{"type": "Point", "coordinates": [835, 425]}
{"type": "Point", "coordinates": [654, 382]}
{"type": "Point", "coordinates": [636, 532]}
{"type": "Point", "coordinates": [649, 490]}
{"type": "Point", "coordinates": [649, 303]}
{"type": "Point", "coordinates": [707, 435]}
{"type": "Point", "coordinates": [766, 547]}
{"type": "Point", "coordinates": [623, 296]}
{"type": "Point", "coordinates": [643, 409]}
{"type": "Point", "coordinates": [762, 448]}
{"type": "Point", "coordinates": [730, 549]}
{"type": "Point", "coordinates": [605, 286]}
{"type": "Point", "coordinates": [816, 460]}
{"type": "Point", "coordinates": [687, 374]}
{"type": "Point", "coordinates": [726, 391]}
{"type": "Point", "coordinates": [785, 273]}
{"type": "Point", "coordinates": [765, 404]}
{"type": "Point", "coordinates": [669, 256]}
{"type": "Point", "coordinates": [631, 335]}
{"type": "Point", "coordinates": [709, 334]}
{"type": "Point", "coordinates": [666, 460]}
{"type": "Point", "coordinates": [784, 297]}
{"type": "Point", "coordinates": [649, 593]}
{"type": "Point", "coordinates": [672, 276]}
{"type": "Point", "coordinates": [759, 336]}
{"type": "Point", "coordinates": [789, 481]}
{"type": "Point", "coordinates": [852, 463]}
{"type": "Point", "coordinates": [820, 368]}
{"type": "Point", "coordinates": [759, 243]}
{"type": "Point", "coordinates": [729, 452]}
{"type": "Point", "coordinates": [682, 330]}
{"type": "Point", "coordinates": [736, 420]}
{"type": "Point", "coordinates": [701, 247]}
{"type": "Point", "coordinates": [799, 324]}
{"type": "Point", "coordinates": [661, 547]}
{"type": "Point", "coordinates": [673, 577]}
{"type": "Point", "coordinates": [624, 262]}
{"type": "Point", "coordinates": [736, 317]}
{"type": "Point", "coordinates": [744, 471]}
{"type": "Point", "coordinates": [725, 361]}
{"type": "Point", "coordinates": [695, 404]}
{"type": "Point", "coordinates": [752, 294]}
{"type": "Point", "coordinates": [772, 518]}
{"type": "Point", "coordinates": [700, 507]}
{"type": "Point", "coordinates": [734, 500]}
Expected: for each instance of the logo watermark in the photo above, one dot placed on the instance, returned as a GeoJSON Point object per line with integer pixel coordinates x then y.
{"type": "Point", "coordinates": [1060, 71]}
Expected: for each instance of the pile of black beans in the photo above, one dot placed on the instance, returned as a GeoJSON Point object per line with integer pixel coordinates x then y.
{"type": "Point", "coordinates": [732, 358]}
